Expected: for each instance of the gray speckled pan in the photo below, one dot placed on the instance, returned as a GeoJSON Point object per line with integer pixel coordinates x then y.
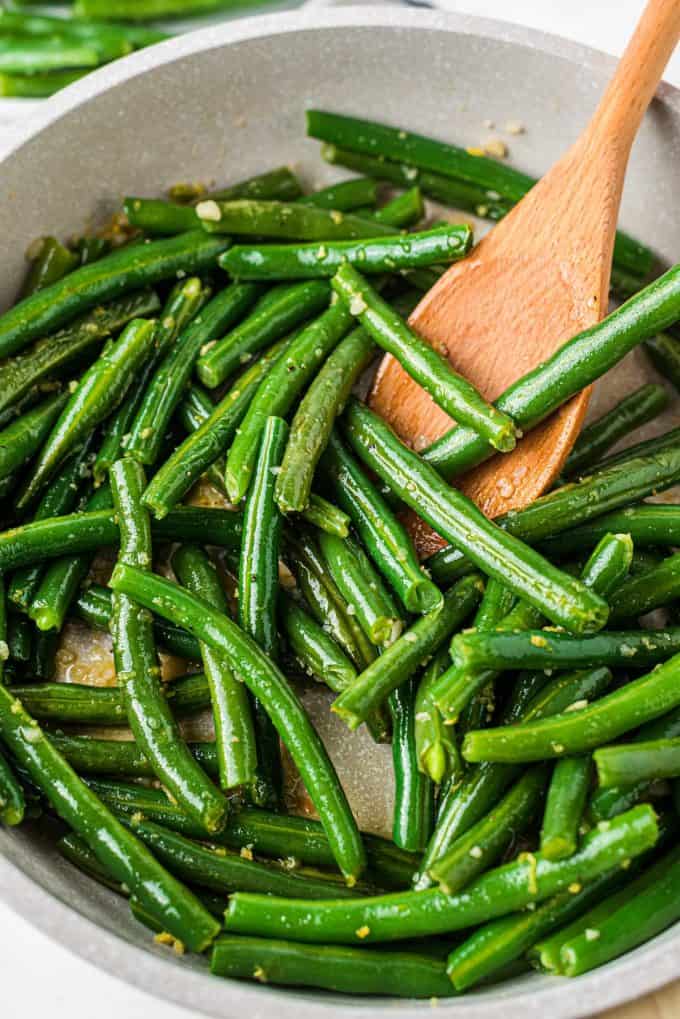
{"type": "Point", "coordinates": [229, 101]}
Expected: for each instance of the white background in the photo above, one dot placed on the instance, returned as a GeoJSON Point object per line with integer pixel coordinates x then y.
{"type": "Point", "coordinates": [36, 975]}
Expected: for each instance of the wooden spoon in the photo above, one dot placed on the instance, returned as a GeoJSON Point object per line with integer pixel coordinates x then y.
{"type": "Point", "coordinates": [538, 278]}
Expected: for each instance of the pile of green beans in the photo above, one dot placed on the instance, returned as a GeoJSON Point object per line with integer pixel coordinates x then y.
{"type": "Point", "coordinates": [250, 540]}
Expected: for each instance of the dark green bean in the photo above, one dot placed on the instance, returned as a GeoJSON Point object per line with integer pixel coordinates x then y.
{"type": "Point", "coordinates": [192, 412]}
{"type": "Point", "coordinates": [126, 269]}
{"type": "Point", "coordinates": [561, 598]}
{"type": "Point", "coordinates": [323, 258]}
{"type": "Point", "coordinates": [413, 817]}
{"type": "Point", "coordinates": [312, 425]}
{"type": "Point", "coordinates": [318, 653]}
{"type": "Point", "coordinates": [383, 536]}
{"type": "Point", "coordinates": [90, 756]}
{"type": "Point", "coordinates": [99, 391]}
{"type": "Point", "coordinates": [657, 587]}
{"type": "Point", "coordinates": [649, 525]}
{"type": "Point", "coordinates": [117, 850]}
{"type": "Point", "coordinates": [50, 261]}
{"type": "Point", "coordinates": [450, 391]}
{"type": "Point", "coordinates": [331, 967]}
{"type": "Point", "coordinates": [22, 439]}
{"type": "Point", "coordinates": [207, 444]}
{"type": "Point", "coordinates": [344, 196]}
{"type": "Point", "coordinates": [279, 389]}
{"type": "Point", "coordinates": [138, 670]}
{"type": "Point", "coordinates": [643, 761]}
{"type": "Point", "coordinates": [564, 806]}
{"type": "Point", "coordinates": [407, 914]}
{"type": "Point", "coordinates": [607, 803]}
{"type": "Point", "coordinates": [248, 218]}
{"type": "Point", "coordinates": [234, 733]}
{"type": "Point", "coordinates": [268, 684]}
{"type": "Point", "coordinates": [400, 660]}
{"type": "Point", "coordinates": [484, 843]}
{"type": "Point", "coordinates": [634, 410]}
{"type": "Point", "coordinates": [280, 183]}
{"type": "Point", "coordinates": [276, 314]}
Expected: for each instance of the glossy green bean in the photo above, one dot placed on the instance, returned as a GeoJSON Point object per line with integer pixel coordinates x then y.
{"type": "Point", "coordinates": [50, 261]}
{"type": "Point", "coordinates": [87, 532]}
{"type": "Point", "coordinates": [400, 660]}
{"type": "Point", "coordinates": [315, 650]}
{"type": "Point", "coordinates": [124, 270]}
{"type": "Point", "coordinates": [383, 536]}
{"type": "Point", "coordinates": [99, 392]}
{"type": "Point", "coordinates": [158, 218]}
{"type": "Point", "coordinates": [208, 443]}
{"type": "Point", "coordinates": [642, 761]}
{"type": "Point", "coordinates": [648, 525]}
{"type": "Point", "coordinates": [172, 374]}
{"type": "Point", "coordinates": [357, 193]}
{"type": "Point", "coordinates": [563, 599]}
{"type": "Point", "coordinates": [331, 967]}
{"type": "Point", "coordinates": [41, 85]}
{"type": "Point", "coordinates": [25, 55]}
{"type": "Point", "coordinates": [247, 218]}
{"type": "Point", "coordinates": [325, 516]}
{"type": "Point", "coordinates": [276, 314]}
{"type": "Point", "coordinates": [413, 816]}
{"type": "Point", "coordinates": [279, 389]}
{"type": "Point", "coordinates": [267, 683]}
{"type": "Point", "coordinates": [117, 850]}
{"type": "Point", "coordinates": [436, 744]}
{"type": "Point", "coordinates": [607, 803]}
{"type": "Point", "coordinates": [483, 844]}
{"type": "Point", "coordinates": [313, 423]}
{"type": "Point", "coordinates": [407, 914]}
{"type": "Point", "coordinates": [373, 254]}
{"type": "Point", "coordinates": [575, 364]}
{"type": "Point", "coordinates": [21, 440]}
{"type": "Point", "coordinates": [659, 586]}
{"type": "Point", "coordinates": [564, 807]}
{"type": "Point", "coordinates": [234, 732]}
{"type": "Point", "coordinates": [634, 410]}
{"type": "Point", "coordinates": [450, 391]}
{"type": "Point", "coordinates": [90, 756]}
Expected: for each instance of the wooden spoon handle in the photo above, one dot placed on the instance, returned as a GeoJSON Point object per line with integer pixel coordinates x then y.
{"type": "Point", "coordinates": [640, 69]}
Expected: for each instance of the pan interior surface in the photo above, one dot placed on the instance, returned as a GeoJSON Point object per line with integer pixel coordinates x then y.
{"type": "Point", "coordinates": [219, 105]}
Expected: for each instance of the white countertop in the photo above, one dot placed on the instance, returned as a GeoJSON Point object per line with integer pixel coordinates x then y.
{"type": "Point", "coordinates": [67, 988]}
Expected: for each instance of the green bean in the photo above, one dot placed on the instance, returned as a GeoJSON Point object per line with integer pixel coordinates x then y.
{"type": "Point", "coordinates": [172, 374]}
{"type": "Point", "coordinates": [77, 704]}
{"type": "Point", "coordinates": [99, 391]}
{"type": "Point", "coordinates": [224, 871]}
{"type": "Point", "coordinates": [325, 516]}
{"type": "Point", "coordinates": [639, 595]}
{"type": "Point", "coordinates": [651, 906]}
{"type": "Point", "coordinates": [634, 410]}
{"type": "Point", "coordinates": [117, 850]}
{"type": "Point", "coordinates": [606, 489]}
{"type": "Point", "coordinates": [663, 351]}
{"type": "Point", "coordinates": [248, 218]}
{"type": "Point", "coordinates": [561, 598]}
{"type": "Point", "coordinates": [42, 663]}
{"type": "Point", "coordinates": [12, 800]}
{"type": "Point", "coordinates": [407, 914]}
{"type": "Point", "coordinates": [413, 816]}
{"type": "Point", "coordinates": [436, 745]}
{"type": "Point", "coordinates": [485, 842]}
{"type": "Point", "coordinates": [156, 217]}
{"type": "Point", "coordinates": [494, 945]}
{"type": "Point", "coordinates": [59, 498]}
{"type": "Point", "coordinates": [207, 444]}
{"type": "Point", "coordinates": [280, 183]}
{"type": "Point", "coordinates": [643, 761]}
{"type": "Point", "coordinates": [361, 588]}
{"type": "Point", "coordinates": [126, 269]}
{"type": "Point", "coordinates": [76, 851]}
{"type": "Point", "coordinates": [400, 660]}
{"type": "Point", "coordinates": [24, 23]}
{"type": "Point", "coordinates": [564, 806]}
{"type": "Point", "coordinates": [457, 193]}
{"type": "Point", "coordinates": [39, 85]}
{"type": "Point", "coordinates": [109, 757]}
{"type": "Point", "coordinates": [50, 261]}
{"type": "Point", "coordinates": [331, 967]}
{"type": "Point", "coordinates": [279, 389]}
{"type": "Point", "coordinates": [278, 836]}
{"type": "Point", "coordinates": [19, 639]}
{"type": "Point", "coordinates": [192, 412]}
{"type": "Point", "coordinates": [53, 356]}
{"type": "Point", "coordinates": [184, 301]}
{"type": "Point", "coordinates": [234, 733]}
{"type": "Point", "coordinates": [383, 536]}
{"type": "Point", "coordinates": [548, 649]}
{"type": "Point", "coordinates": [607, 803]}
{"type": "Point", "coordinates": [90, 248]}
{"type": "Point", "coordinates": [648, 525]}
{"type": "Point", "coordinates": [268, 684]}
{"type": "Point", "coordinates": [404, 210]}
{"type": "Point", "coordinates": [450, 391]}
{"type": "Point", "coordinates": [313, 422]}
{"type": "Point", "coordinates": [87, 532]}
{"type": "Point", "coordinates": [274, 316]}
{"type": "Point", "coordinates": [22, 439]}
{"type": "Point", "coordinates": [576, 732]}
{"type": "Point", "coordinates": [318, 653]}
{"type": "Point", "coordinates": [25, 55]}
{"type": "Point", "coordinates": [93, 605]}
{"type": "Point", "coordinates": [414, 150]}
{"type": "Point", "coordinates": [372, 254]}
{"type": "Point", "coordinates": [138, 670]}
{"type": "Point", "coordinates": [564, 691]}
{"type": "Point", "coordinates": [575, 364]}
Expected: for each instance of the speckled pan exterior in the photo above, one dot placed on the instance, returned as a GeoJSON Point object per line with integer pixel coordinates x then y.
{"type": "Point", "coordinates": [228, 101]}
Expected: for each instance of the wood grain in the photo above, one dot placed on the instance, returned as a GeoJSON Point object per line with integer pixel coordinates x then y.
{"type": "Point", "coordinates": [663, 1004]}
